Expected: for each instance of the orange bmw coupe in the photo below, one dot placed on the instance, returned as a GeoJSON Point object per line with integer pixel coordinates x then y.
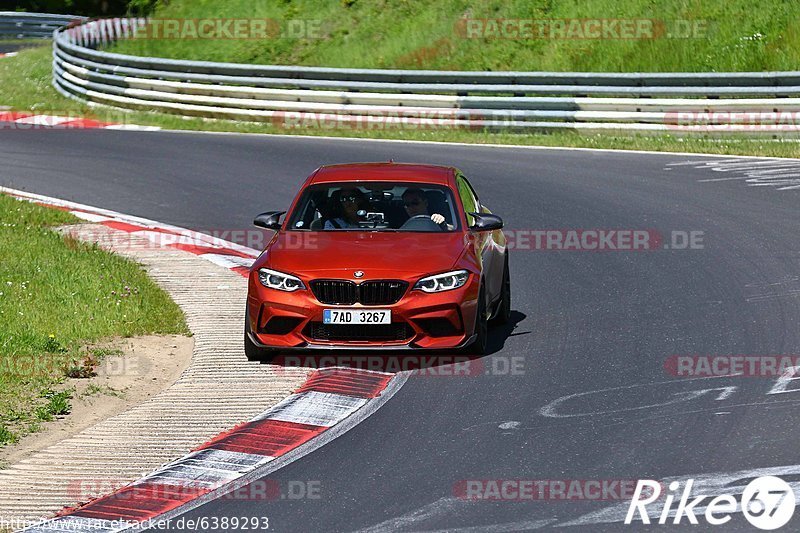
{"type": "Point", "coordinates": [381, 256]}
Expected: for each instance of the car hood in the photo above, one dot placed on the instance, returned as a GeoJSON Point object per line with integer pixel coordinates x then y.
{"type": "Point", "coordinates": [377, 254]}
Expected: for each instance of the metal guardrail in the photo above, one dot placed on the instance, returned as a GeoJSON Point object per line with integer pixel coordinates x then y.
{"type": "Point", "coordinates": [293, 96]}
{"type": "Point", "coordinates": [17, 25]}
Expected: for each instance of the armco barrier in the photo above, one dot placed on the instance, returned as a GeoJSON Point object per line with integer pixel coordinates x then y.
{"type": "Point", "coordinates": [289, 95]}
{"type": "Point", "coordinates": [17, 25]}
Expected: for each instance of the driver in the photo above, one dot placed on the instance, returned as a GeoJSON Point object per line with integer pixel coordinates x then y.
{"type": "Point", "coordinates": [416, 205]}
{"type": "Point", "coordinates": [348, 202]}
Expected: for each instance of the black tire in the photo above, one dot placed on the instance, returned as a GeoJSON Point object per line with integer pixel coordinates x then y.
{"type": "Point", "coordinates": [503, 314]}
{"type": "Point", "coordinates": [253, 352]}
{"type": "Point", "coordinates": [478, 346]}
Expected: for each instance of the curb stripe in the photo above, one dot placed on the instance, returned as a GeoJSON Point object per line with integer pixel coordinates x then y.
{"type": "Point", "coordinates": [258, 471]}
{"type": "Point", "coordinates": [210, 250]}
{"type": "Point", "coordinates": [244, 271]}
{"type": "Point", "coordinates": [328, 397]}
{"type": "Point", "coordinates": [13, 116]}
{"type": "Point", "coordinates": [346, 381]}
{"type": "Point", "coordinates": [29, 120]}
{"type": "Point", "coordinates": [140, 502]}
{"type": "Point", "coordinates": [267, 438]}
{"type": "Point", "coordinates": [46, 120]}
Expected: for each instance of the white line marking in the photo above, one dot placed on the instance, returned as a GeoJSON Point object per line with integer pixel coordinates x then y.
{"type": "Point", "coordinates": [237, 459]}
{"type": "Point", "coordinates": [449, 506]}
{"type": "Point", "coordinates": [90, 217]}
{"type": "Point", "coordinates": [131, 127]}
{"type": "Point", "coordinates": [228, 261]}
{"type": "Point", "coordinates": [508, 527]}
{"type": "Point", "coordinates": [551, 409]}
{"type": "Point", "coordinates": [187, 475]}
{"type": "Point", "coordinates": [782, 174]}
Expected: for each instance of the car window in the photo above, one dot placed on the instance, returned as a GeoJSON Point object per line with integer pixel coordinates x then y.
{"type": "Point", "coordinates": [468, 198]}
{"type": "Point", "coordinates": [375, 206]}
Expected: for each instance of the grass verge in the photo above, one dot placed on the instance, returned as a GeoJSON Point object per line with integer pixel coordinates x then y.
{"type": "Point", "coordinates": [25, 85]}
{"type": "Point", "coordinates": [57, 295]}
{"type": "Point", "coordinates": [691, 36]}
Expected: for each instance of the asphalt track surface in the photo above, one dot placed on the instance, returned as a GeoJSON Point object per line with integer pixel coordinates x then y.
{"type": "Point", "coordinates": [584, 321]}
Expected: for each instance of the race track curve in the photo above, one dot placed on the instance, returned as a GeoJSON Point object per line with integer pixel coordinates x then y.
{"type": "Point", "coordinates": [599, 325]}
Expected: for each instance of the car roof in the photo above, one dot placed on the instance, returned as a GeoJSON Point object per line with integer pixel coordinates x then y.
{"type": "Point", "coordinates": [402, 172]}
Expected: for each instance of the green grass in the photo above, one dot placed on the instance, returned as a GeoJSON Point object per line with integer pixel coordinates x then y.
{"type": "Point", "coordinates": [740, 35]}
{"type": "Point", "coordinates": [56, 404]}
{"type": "Point", "coordinates": [56, 295]}
{"type": "Point", "coordinates": [23, 42]}
{"type": "Point", "coordinates": [25, 85]}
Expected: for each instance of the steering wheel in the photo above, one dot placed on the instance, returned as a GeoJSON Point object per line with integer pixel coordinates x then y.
{"type": "Point", "coordinates": [421, 223]}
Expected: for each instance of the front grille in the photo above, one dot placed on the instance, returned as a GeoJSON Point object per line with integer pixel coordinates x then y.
{"type": "Point", "coordinates": [334, 291]}
{"type": "Point", "coordinates": [344, 292]}
{"type": "Point", "coordinates": [381, 292]}
{"type": "Point", "coordinates": [397, 331]}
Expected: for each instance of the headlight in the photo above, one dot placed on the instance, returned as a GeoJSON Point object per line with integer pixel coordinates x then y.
{"type": "Point", "coordinates": [278, 280]}
{"type": "Point", "coordinates": [443, 282]}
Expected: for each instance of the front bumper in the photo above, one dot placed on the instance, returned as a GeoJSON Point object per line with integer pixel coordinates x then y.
{"type": "Point", "coordinates": [293, 320]}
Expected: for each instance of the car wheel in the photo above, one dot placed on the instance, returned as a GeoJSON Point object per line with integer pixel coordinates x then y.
{"type": "Point", "coordinates": [503, 314]}
{"type": "Point", "coordinates": [253, 352]}
{"type": "Point", "coordinates": [478, 346]}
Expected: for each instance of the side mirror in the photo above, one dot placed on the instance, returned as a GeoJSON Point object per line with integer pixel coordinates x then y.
{"type": "Point", "coordinates": [269, 220]}
{"type": "Point", "coordinates": [486, 222]}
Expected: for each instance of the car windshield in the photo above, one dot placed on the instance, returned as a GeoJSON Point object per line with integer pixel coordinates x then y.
{"type": "Point", "coordinates": [375, 206]}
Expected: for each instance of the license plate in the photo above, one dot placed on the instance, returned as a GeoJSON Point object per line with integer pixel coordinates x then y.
{"type": "Point", "coordinates": [357, 316]}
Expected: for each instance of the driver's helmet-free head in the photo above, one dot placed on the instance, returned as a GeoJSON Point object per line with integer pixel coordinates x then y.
{"type": "Point", "coordinates": [415, 202]}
